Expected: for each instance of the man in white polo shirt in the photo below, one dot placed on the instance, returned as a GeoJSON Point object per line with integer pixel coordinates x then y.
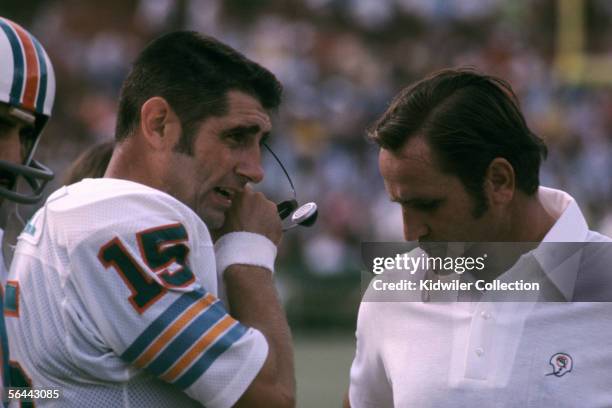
{"type": "Point", "coordinates": [457, 155]}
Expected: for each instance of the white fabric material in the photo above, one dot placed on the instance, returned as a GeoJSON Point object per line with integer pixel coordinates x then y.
{"type": "Point", "coordinates": [245, 248]}
{"type": "Point", "coordinates": [485, 354]}
{"type": "Point", "coordinates": [117, 290]}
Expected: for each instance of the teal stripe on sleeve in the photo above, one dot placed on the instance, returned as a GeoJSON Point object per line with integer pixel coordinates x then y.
{"type": "Point", "coordinates": [159, 325]}
{"type": "Point", "coordinates": [209, 357]}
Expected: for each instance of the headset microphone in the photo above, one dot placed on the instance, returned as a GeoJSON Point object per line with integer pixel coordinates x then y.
{"type": "Point", "coordinates": [305, 215]}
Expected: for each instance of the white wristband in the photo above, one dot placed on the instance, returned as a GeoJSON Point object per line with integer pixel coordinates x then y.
{"type": "Point", "coordinates": [245, 248]}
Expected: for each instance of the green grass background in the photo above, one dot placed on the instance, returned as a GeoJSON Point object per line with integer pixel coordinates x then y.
{"type": "Point", "coordinates": [322, 363]}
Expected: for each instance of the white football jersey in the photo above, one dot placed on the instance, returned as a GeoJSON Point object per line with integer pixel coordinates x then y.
{"type": "Point", "coordinates": [3, 335]}
{"type": "Point", "coordinates": [112, 300]}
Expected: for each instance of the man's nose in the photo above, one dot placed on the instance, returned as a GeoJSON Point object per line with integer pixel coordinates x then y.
{"type": "Point", "coordinates": [414, 225]}
{"type": "Point", "coordinates": [250, 166]}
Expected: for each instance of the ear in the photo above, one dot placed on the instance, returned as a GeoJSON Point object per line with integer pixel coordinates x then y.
{"type": "Point", "coordinates": [500, 181]}
{"type": "Point", "coordinates": [159, 124]}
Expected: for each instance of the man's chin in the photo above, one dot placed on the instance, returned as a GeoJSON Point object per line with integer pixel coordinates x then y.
{"type": "Point", "coordinates": [444, 248]}
{"type": "Point", "coordinates": [213, 220]}
{"type": "Point", "coordinates": [432, 248]}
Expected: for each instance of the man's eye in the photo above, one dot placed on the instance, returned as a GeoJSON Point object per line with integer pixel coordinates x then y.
{"type": "Point", "coordinates": [236, 139]}
{"type": "Point", "coordinates": [27, 133]}
{"type": "Point", "coordinates": [6, 126]}
{"type": "Point", "coordinates": [426, 205]}
{"type": "Point", "coordinates": [27, 136]}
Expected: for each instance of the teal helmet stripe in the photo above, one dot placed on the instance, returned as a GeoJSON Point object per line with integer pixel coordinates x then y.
{"type": "Point", "coordinates": [18, 60]}
{"type": "Point", "coordinates": [42, 83]}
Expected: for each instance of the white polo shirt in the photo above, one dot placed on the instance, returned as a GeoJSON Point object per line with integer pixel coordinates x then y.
{"type": "Point", "coordinates": [504, 354]}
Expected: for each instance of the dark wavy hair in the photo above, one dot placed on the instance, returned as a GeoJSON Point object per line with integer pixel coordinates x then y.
{"type": "Point", "coordinates": [193, 73]}
{"type": "Point", "coordinates": [468, 119]}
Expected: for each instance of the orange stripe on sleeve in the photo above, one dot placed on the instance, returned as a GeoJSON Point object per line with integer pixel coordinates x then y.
{"type": "Point", "coordinates": [198, 347]}
{"type": "Point", "coordinates": [173, 329]}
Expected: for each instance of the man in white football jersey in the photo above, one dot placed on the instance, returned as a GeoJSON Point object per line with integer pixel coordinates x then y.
{"type": "Point", "coordinates": [27, 91]}
{"type": "Point", "coordinates": [117, 281]}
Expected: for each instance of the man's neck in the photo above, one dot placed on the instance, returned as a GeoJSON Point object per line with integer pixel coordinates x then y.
{"type": "Point", "coordinates": [530, 220]}
{"type": "Point", "coordinates": [129, 164]}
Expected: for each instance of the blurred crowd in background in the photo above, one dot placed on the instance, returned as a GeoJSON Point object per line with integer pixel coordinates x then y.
{"type": "Point", "coordinates": [341, 61]}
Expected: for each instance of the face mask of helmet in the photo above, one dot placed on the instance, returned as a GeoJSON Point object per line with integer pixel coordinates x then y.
{"type": "Point", "coordinates": [27, 92]}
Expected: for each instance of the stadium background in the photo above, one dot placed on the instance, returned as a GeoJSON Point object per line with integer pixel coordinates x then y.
{"type": "Point", "coordinates": [340, 62]}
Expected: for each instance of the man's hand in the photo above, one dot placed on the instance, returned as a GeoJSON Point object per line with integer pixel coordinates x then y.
{"type": "Point", "coordinates": [252, 299]}
{"type": "Point", "coordinates": [251, 211]}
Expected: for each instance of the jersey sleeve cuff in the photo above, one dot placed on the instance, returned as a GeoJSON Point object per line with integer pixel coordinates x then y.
{"type": "Point", "coordinates": [243, 378]}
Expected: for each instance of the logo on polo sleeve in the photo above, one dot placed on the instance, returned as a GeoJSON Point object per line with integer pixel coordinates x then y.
{"type": "Point", "coordinates": [562, 364]}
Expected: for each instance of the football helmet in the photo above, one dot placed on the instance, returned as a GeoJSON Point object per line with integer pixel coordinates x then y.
{"type": "Point", "coordinates": [27, 87]}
